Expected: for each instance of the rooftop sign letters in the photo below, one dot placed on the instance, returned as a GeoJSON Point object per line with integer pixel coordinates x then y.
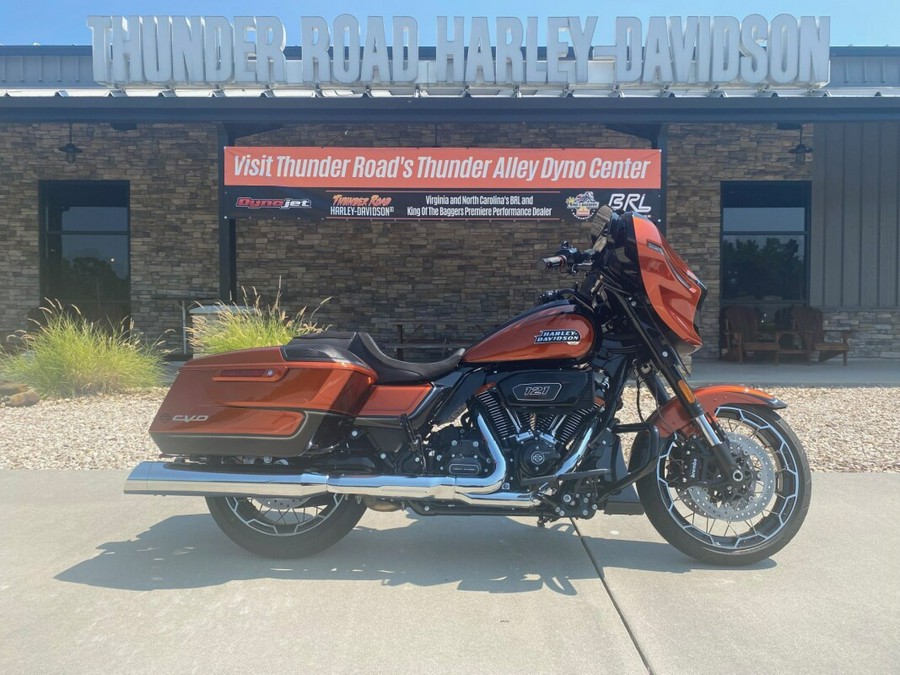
{"type": "Point", "coordinates": [250, 50]}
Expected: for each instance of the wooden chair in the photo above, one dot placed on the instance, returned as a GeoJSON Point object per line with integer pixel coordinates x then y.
{"type": "Point", "coordinates": [742, 334]}
{"type": "Point", "coordinates": [809, 323]}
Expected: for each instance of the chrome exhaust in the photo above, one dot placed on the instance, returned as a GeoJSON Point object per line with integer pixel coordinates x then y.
{"type": "Point", "coordinates": [173, 478]}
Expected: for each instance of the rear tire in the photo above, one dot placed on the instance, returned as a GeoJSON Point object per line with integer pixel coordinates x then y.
{"type": "Point", "coordinates": [285, 527]}
{"type": "Point", "coordinates": [699, 523]}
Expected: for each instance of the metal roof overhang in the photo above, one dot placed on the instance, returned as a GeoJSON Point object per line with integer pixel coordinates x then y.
{"type": "Point", "coordinates": [365, 110]}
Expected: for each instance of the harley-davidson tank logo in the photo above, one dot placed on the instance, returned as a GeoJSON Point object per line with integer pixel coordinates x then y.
{"type": "Point", "coordinates": [570, 337]}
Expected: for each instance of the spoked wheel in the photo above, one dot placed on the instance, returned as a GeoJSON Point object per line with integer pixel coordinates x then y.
{"type": "Point", "coordinates": [285, 527]}
{"type": "Point", "coordinates": [736, 527]}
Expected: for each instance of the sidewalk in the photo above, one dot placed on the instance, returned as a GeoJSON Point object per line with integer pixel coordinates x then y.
{"type": "Point", "coordinates": [96, 581]}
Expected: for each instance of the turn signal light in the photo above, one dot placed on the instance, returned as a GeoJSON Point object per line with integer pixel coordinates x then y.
{"type": "Point", "coordinates": [685, 389]}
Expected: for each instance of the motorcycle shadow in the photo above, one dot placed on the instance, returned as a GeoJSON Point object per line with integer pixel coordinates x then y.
{"type": "Point", "coordinates": [481, 554]}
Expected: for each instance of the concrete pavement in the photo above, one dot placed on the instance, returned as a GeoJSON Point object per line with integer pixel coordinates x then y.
{"type": "Point", "coordinates": [92, 580]}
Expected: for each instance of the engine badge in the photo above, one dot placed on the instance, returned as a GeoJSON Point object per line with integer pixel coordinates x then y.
{"type": "Point", "coordinates": [537, 391]}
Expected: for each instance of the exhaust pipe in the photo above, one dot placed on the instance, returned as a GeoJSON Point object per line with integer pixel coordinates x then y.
{"type": "Point", "coordinates": [170, 478]}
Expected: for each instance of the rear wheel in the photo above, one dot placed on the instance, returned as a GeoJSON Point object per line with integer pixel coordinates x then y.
{"type": "Point", "coordinates": [724, 528]}
{"type": "Point", "coordinates": [284, 527]}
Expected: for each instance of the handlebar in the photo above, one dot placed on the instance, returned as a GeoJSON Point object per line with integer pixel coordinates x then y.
{"type": "Point", "coordinates": [568, 258]}
{"type": "Point", "coordinates": [552, 262]}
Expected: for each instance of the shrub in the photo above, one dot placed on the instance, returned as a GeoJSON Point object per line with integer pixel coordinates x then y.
{"type": "Point", "coordinates": [252, 325]}
{"type": "Point", "coordinates": [66, 355]}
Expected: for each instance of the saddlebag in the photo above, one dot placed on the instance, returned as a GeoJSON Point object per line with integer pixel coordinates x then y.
{"type": "Point", "coordinates": [260, 402]}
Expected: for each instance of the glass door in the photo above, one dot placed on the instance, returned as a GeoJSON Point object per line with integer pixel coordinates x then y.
{"type": "Point", "coordinates": [85, 247]}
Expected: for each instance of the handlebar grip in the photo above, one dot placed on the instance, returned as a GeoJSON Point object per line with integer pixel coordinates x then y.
{"type": "Point", "coordinates": [551, 262]}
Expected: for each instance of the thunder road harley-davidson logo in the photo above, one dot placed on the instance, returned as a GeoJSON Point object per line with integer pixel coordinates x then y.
{"type": "Point", "coordinates": [582, 205]}
{"type": "Point", "coordinates": [570, 337]}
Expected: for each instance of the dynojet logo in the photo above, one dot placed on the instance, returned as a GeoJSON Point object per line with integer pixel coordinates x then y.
{"type": "Point", "coordinates": [279, 203]}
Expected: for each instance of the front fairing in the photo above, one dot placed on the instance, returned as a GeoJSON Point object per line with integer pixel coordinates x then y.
{"type": "Point", "coordinates": [640, 259]}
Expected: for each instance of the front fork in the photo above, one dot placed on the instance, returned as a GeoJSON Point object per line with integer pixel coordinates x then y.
{"type": "Point", "coordinates": [717, 443]}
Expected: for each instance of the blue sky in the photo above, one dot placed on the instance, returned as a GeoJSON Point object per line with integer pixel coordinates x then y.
{"type": "Point", "coordinates": [63, 22]}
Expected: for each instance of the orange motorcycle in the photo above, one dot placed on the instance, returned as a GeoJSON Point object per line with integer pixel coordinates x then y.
{"type": "Point", "coordinates": [290, 445]}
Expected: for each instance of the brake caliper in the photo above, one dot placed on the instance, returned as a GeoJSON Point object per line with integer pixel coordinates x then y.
{"type": "Point", "coordinates": [691, 466]}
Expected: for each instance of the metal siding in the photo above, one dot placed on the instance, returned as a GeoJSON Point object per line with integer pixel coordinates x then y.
{"type": "Point", "coordinates": [832, 214]}
{"type": "Point", "coordinates": [817, 220]}
{"type": "Point", "coordinates": [896, 261]}
{"type": "Point", "coordinates": [869, 220]}
{"type": "Point", "coordinates": [888, 216]}
{"type": "Point", "coordinates": [854, 237]}
{"type": "Point", "coordinates": [853, 159]}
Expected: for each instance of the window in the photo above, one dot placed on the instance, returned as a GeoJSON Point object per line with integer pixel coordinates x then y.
{"type": "Point", "coordinates": [85, 246]}
{"type": "Point", "coordinates": [764, 240]}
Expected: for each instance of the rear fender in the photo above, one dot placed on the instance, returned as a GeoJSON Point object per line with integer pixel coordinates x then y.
{"type": "Point", "coordinates": [672, 416]}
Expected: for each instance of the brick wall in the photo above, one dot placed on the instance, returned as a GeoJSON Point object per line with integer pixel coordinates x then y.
{"type": "Point", "coordinates": [700, 158]}
{"type": "Point", "coordinates": [173, 183]}
{"type": "Point", "coordinates": [874, 333]}
{"type": "Point", "coordinates": [449, 279]}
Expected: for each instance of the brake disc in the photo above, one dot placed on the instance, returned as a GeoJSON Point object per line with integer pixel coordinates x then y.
{"type": "Point", "coordinates": [753, 458]}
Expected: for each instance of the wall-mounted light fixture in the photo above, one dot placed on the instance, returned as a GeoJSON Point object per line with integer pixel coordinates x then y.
{"type": "Point", "coordinates": [70, 149]}
{"type": "Point", "coordinates": [800, 151]}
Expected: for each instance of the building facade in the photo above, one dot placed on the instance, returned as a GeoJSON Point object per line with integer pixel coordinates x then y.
{"type": "Point", "coordinates": [761, 222]}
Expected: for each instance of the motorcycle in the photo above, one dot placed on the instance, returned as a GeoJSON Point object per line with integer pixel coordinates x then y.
{"type": "Point", "coordinates": [290, 445]}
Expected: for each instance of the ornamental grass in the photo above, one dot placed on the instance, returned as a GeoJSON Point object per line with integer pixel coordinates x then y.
{"type": "Point", "coordinates": [66, 355]}
{"type": "Point", "coordinates": [254, 324]}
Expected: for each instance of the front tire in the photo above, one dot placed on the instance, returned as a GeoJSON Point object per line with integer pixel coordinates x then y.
{"type": "Point", "coordinates": [285, 527]}
{"type": "Point", "coordinates": [699, 522]}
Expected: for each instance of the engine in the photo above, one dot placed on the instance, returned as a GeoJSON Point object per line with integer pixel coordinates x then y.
{"type": "Point", "coordinates": [535, 416]}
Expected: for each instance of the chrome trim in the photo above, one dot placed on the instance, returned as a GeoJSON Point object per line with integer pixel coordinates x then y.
{"type": "Point", "coordinates": [706, 429]}
{"type": "Point", "coordinates": [575, 458]}
{"type": "Point", "coordinates": [168, 478]}
{"type": "Point", "coordinates": [171, 478]}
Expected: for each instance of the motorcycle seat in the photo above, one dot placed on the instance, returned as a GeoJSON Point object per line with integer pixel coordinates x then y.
{"type": "Point", "coordinates": [364, 347]}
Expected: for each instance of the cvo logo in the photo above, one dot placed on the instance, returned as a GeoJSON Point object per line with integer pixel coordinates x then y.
{"type": "Point", "coordinates": [190, 418]}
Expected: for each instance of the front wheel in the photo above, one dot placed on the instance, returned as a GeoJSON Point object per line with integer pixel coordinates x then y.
{"type": "Point", "coordinates": [284, 527]}
{"type": "Point", "coordinates": [727, 529]}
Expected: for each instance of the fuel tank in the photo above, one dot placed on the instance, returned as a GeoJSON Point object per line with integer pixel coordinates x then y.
{"type": "Point", "coordinates": [551, 332]}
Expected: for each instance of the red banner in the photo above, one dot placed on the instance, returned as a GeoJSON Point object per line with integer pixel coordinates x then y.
{"type": "Point", "coordinates": [442, 168]}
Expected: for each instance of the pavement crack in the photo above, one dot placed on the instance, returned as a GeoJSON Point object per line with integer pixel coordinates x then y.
{"type": "Point", "coordinates": [599, 569]}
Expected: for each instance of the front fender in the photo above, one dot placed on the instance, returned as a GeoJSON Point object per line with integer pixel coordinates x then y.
{"type": "Point", "coordinates": [672, 416]}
